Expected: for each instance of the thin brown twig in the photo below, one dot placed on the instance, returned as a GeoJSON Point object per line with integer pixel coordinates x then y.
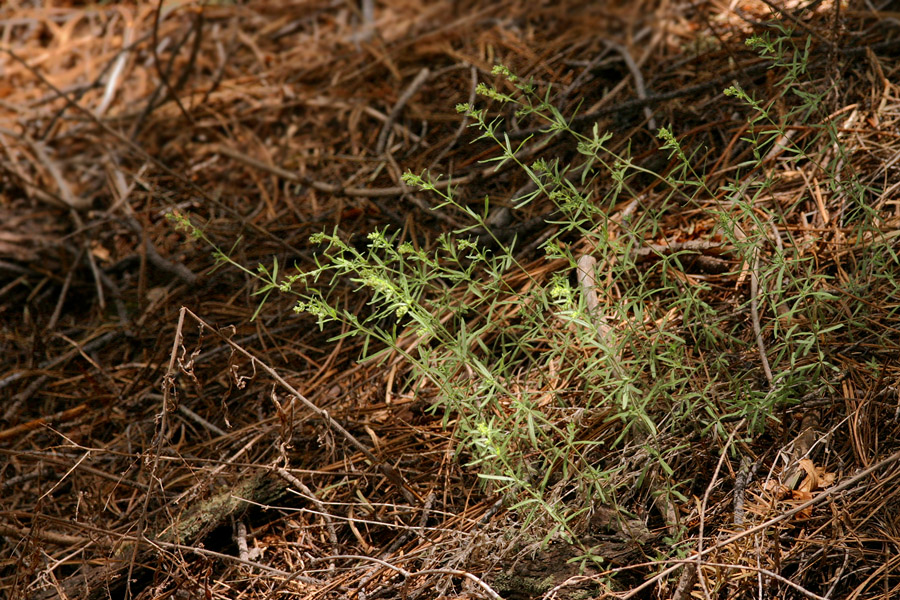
{"type": "Point", "coordinates": [329, 524]}
{"type": "Point", "coordinates": [640, 87]}
{"type": "Point", "coordinates": [405, 97]}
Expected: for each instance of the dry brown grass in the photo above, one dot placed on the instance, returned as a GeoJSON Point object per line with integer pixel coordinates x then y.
{"type": "Point", "coordinates": [272, 120]}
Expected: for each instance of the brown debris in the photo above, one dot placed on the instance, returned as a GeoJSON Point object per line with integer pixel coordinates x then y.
{"type": "Point", "coordinates": [145, 457]}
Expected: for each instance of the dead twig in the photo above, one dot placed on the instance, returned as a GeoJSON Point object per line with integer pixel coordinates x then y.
{"type": "Point", "coordinates": [329, 524]}
{"type": "Point", "coordinates": [407, 94]}
{"type": "Point", "coordinates": [640, 87]}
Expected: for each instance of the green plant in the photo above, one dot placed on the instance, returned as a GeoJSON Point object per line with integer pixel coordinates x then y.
{"type": "Point", "coordinates": [543, 388]}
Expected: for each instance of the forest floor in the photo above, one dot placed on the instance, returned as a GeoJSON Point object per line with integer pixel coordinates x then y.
{"type": "Point", "coordinates": [658, 364]}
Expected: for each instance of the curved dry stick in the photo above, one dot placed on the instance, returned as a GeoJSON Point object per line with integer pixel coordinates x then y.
{"type": "Point", "coordinates": [639, 86]}
{"type": "Point", "coordinates": [329, 523]}
{"type": "Point", "coordinates": [408, 93]}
